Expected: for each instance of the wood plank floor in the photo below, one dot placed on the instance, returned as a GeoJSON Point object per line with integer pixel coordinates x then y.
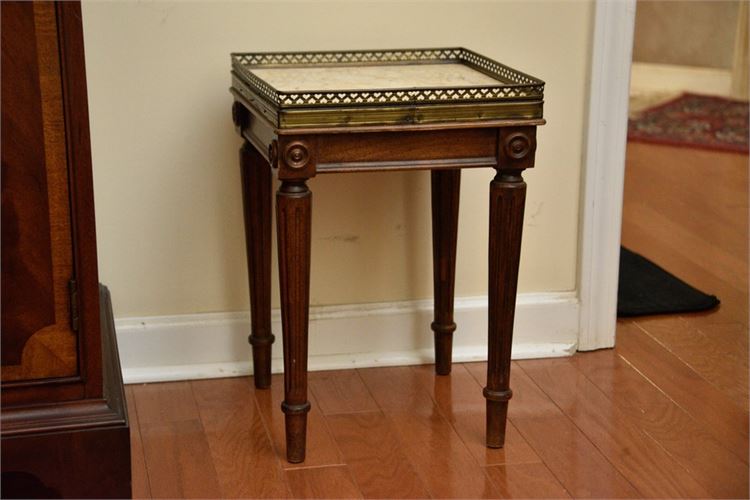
{"type": "Point", "coordinates": [664, 414]}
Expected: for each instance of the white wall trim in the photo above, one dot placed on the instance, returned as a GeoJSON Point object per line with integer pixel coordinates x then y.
{"type": "Point", "coordinates": [604, 169]}
{"type": "Point", "coordinates": [212, 345]}
{"type": "Point", "coordinates": [650, 77]}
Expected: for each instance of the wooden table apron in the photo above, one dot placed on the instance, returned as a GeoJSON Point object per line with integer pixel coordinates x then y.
{"type": "Point", "coordinates": [296, 155]}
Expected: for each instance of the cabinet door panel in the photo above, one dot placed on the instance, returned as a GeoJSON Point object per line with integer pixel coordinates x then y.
{"type": "Point", "coordinates": [37, 255]}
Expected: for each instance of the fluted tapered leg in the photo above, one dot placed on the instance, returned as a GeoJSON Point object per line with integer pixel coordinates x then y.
{"type": "Point", "coordinates": [293, 220]}
{"type": "Point", "coordinates": [256, 200]}
{"type": "Point", "coordinates": [507, 198]}
{"type": "Point", "coordinates": [445, 196]}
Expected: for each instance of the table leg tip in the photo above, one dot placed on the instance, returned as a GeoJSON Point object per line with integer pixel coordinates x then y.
{"type": "Point", "coordinates": [295, 458]}
{"type": "Point", "coordinates": [442, 370]}
{"type": "Point", "coordinates": [262, 383]}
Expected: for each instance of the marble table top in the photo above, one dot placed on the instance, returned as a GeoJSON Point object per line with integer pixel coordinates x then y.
{"type": "Point", "coordinates": [387, 76]}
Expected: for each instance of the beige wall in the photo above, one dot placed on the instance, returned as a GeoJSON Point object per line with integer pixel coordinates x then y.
{"type": "Point", "coordinates": [689, 33]}
{"type": "Point", "coordinates": [165, 154]}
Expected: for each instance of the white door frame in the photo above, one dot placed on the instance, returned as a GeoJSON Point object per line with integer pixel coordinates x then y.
{"type": "Point", "coordinates": [604, 172]}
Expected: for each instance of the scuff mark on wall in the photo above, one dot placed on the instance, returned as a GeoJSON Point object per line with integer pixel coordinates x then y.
{"type": "Point", "coordinates": [533, 214]}
{"type": "Point", "coordinates": [344, 238]}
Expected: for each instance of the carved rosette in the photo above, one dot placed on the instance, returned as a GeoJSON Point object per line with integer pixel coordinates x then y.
{"type": "Point", "coordinates": [296, 155]}
{"type": "Point", "coordinates": [517, 148]}
{"type": "Point", "coordinates": [296, 158]}
{"type": "Point", "coordinates": [517, 145]}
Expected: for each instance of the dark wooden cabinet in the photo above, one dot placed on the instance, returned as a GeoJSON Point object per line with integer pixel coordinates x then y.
{"type": "Point", "coordinates": [64, 426]}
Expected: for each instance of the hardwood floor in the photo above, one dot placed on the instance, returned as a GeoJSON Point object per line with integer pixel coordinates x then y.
{"type": "Point", "coordinates": [664, 414]}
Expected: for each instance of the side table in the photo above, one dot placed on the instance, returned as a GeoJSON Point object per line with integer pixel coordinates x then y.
{"type": "Point", "coordinates": [442, 110]}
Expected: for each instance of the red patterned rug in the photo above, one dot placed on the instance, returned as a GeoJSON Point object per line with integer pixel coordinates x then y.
{"type": "Point", "coordinates": [695, 121]}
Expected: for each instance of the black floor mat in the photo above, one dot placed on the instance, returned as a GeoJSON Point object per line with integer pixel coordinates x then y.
{"type": "Point", "coordinates": [646, 288]}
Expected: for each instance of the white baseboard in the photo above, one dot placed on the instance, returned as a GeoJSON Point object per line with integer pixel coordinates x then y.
{"type": "Point", "coordinates": [213, 345]}
{"type": "Point", "coordinates": [648, 77]}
